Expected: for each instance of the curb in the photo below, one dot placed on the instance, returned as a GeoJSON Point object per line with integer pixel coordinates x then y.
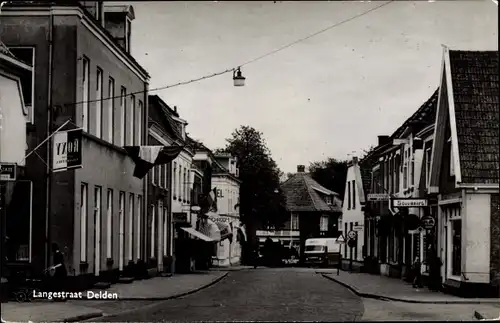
{"type": "Point", "coordinates": [215, 281]}
{"type": "Point", "coordinates": [394, 299]}
{"type": "Point", "coordinates": [83, 317]}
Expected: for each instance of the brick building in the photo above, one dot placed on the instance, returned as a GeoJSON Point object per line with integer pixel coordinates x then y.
{"type": "Point", "coordinates": [81, 56]}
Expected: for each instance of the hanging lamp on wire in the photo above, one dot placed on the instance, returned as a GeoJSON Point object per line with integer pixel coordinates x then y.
{"type": "Point", "coordinates": [239, 80]}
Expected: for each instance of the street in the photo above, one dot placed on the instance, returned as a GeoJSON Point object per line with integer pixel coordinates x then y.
{"type": "Point", "coordinates": [263, 294]}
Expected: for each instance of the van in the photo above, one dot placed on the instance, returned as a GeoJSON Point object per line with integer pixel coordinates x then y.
{"type": "Point", "coordinates": [322, 251]}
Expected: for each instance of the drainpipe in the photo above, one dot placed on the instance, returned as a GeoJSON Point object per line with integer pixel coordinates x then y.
{"type": "Point", "coordinates": [49, 145]}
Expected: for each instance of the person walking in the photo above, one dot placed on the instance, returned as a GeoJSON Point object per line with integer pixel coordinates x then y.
{"type": "Point", "coordinates": [434, 263]}
{"type": "Point", "coordinates": [416, 267]}
{"type": "Point", "coordinates": [58, 269]}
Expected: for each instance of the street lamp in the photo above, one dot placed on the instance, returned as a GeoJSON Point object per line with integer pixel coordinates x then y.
{"type": "Point", "coordinates": [239, 80]}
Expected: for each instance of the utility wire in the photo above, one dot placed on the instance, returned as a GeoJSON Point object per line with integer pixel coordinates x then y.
{"type": "Point", "coordinates": [247, 62]}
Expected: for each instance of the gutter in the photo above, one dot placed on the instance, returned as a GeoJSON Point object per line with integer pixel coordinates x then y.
{"type": "Point", "coordinates": [477, 186]}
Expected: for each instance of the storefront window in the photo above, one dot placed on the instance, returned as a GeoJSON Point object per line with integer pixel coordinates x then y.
{"type": "Point", "coordinates": [456, 240]}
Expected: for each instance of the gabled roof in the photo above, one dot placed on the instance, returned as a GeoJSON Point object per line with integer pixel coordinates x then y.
{"type": "Point", "coordinates": [303, 195]}
{"type": "Point", "coordinates": [474, 106]}
{"type": "Point", "coordinates": [172, 125]}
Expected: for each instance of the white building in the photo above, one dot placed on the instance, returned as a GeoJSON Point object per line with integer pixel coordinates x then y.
{"type": "Point", "coordinates": [353, 214]}
{"type": "Point", "coordinates": [225, 180]}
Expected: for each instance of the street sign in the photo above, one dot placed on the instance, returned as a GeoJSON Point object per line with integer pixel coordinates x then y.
{"type": "Point", "coordinates": [351, 243]}
{"type": "Point", "coordinates": [352, 234]}
{"type": "Point", "coordinates": [7, 172]}
{"type": "Point", "coordinates": [358, 228]}
{"type": "Point", "coordinates": [67, 150]}
{"type": "Point", "coordinates": [428, 222]}
{"type": "Point", "coordinates": [409, 202]}
{"type": "Point", "coordinates": [340, 239]}
{"type": "Point", "coordinates": [378, 197]}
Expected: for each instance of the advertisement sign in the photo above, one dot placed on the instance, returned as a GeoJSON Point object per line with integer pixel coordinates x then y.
{"type": "Point", "coordinates": [378, 197]}
{"type": "Point", "coordinates": [409, 202]}
{"type": "Point", "coordinates": [428, 222]}
{"type": "Point", "coordinates": [67, 150]}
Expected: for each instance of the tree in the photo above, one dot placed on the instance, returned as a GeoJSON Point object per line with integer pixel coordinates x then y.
{"type": "Point", "coordinates": [331, 174]}
{"type": "Point", "coordinates": [261, 201]}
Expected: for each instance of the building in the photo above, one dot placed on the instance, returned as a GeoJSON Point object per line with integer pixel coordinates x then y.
{"type": "Point", "coordinates": [162, 132]}
{"type": "Point", "coordinates": [225, 180]}
{"type": "Point", "coordinates": [314, 211]}
{"type": "Point", "coordinates": [392, 238]}
{"type": "Point", "coordinates": [464, 175]}
{"type": "Point", "coordinates": [80, 54]}
{"type": "Point", "coordinates": [15, 191]}
{"type": "Point", "coordinates": [353, 217]}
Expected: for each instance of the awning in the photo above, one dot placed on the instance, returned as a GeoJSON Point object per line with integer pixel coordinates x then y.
{"type": "Point", "coordinates": [224, 225]}
{"type": "Point", "coordinates": [197, 234]}
{"type": "Point", "coordinates": [210, 229]}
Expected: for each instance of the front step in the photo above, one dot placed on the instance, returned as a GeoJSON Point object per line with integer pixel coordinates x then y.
{"type": "Point", "coordinates": [102, 285]}
{"type": "Point", "coordinates": [125, 280]}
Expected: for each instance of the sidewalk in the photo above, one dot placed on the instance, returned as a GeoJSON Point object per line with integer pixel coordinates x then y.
{"type": "Point", "coordinates": [386, 288]}
{"type": "Point", "coordinates": [130, 296]}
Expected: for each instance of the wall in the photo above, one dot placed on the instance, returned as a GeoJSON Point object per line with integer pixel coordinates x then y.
{"type": "Point", "coordinates": [33, 31]}
{"type": "Point", "coordinates": [476, 237]}
{"type": "Point", "coordinates": [353, 214]}
{"type": "Point", "coordinates": [179, 199]}
{"type": "Point", "coordinates": [230, 194]}
{"type": "Point", "coordinates": [495, 240]}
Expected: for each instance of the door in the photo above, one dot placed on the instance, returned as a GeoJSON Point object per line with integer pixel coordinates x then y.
{"type": "Point", "coordinates": [121, 231]}
{"type": "Point", "coordinates": [97, 230]}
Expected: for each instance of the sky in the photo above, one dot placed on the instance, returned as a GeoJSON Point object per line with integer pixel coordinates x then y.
{"type": "Point", "coordinates": [328, 96]}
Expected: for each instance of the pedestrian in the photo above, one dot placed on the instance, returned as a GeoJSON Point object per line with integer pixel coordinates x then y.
{"type": "Point", "coordinates": [434, 263]}
{"type": "Point", "coordinates": [255, 256]}
{"type": "Point", "coordinates": [416, 267]}
{"type": "Point", "coordinates": [58, 269]}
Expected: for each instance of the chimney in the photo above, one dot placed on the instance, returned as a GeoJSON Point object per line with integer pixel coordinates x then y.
{"type": "Point", "coordinates": [382, 140]}
{"type": "Point", "coordinates": [175, 108]}
{"type": "Point", "coordinates": [354, 160]}
{"type": "Point", "coordinates": [301, 168]}
{"type": "Point", "coordinates": [118, 22]}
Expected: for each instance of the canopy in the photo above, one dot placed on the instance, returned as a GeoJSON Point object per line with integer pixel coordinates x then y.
{"type": "Point", "coordinates": [197, 234]}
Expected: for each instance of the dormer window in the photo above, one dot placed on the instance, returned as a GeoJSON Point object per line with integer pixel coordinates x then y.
{"type": "Point", "coordinates": [128, 35]}
{"type": "Point", "coordinates": [99, 12]}
{"type": "Point", "coordinates": [452, 163]}
{"type": "Point", "coordinates": [328, 200]}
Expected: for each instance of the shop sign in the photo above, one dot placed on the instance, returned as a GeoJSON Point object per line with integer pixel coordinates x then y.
{"type": "Point", "coordinates": [67, 150]}
{"type": "Point", "coordinates": [7, 172]}
{"type": "Point", "coordinates": [358, 228]}
{"type": "Point", "coordinates": [408, 202]}
{"type": "Point", "coordinates": [378, 197]}
{"type": "Point", "coordinates": [428, 222]}
{"type": "Point", "coordinates": [179, 217]}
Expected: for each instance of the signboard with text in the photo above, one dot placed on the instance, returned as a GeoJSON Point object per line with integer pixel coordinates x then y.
{"type": "Point", "coordinates": [428, 222]}
{"type": "Point", "coordinates": [408, 202]}
{"type": "Point", "coordinates": [378, 197]}
{"type": "Point", "coordinates": [67, 150]}
{"type": "Point", "coordinates": [7, 172]}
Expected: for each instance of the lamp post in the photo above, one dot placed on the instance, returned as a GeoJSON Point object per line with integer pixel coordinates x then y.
{"type": "Point", "coordinates": [238, 79]}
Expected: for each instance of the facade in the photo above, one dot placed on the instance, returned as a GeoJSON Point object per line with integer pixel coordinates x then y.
{"type": "Point", "coordinates": [159, 229]}
{"type": "Point", "coordinates": [81, 56]}
{"type": "Point", "coordinates": [353, 217]}
{"type": "Point", "coordinates": [14, 190]}
{"type": "Point", "coordinates": [225, 180]}
{"type": "Point", "coordinates": [314, 210]}
{"type": "Point", "coordinates": [464, 172]}
{"type": "Point", "coordinates": [393, 240]}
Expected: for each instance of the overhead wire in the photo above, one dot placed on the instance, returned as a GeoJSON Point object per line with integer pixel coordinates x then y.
{"type": "Point", "coordinates": [245, 63]}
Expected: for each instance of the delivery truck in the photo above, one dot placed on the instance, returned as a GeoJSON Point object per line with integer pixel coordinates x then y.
{"type": "Point", "coordinates": [323, 252]}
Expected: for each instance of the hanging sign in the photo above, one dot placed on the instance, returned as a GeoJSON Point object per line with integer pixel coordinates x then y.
{"type": "Point", "coordinates": [409, 202]}
{"type": "Point", "coordinates": [67, 150]}
{"type": "Point", "coordinates": [378, 197]}
{"type": "Point", "coordinates": [428, 222]}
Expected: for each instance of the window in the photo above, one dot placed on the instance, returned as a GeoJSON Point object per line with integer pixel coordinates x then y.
{"type": "Point", "coordinates": [295, 222]}
{"type": "Point", "coordinates": [412, 169]}
{"type": "Point", "coordinates": [122, 229]}
{"type": "Point", "coordinates": [161, 179]}
{"type": "Point", "coordinates": [348, 195]}
{"type": "Point", "coordinates": [397, 173]}
{"type": "Point", "coordinates": [456, 244]}
{"type": "Point", "coordinates": [153, 223]}
{"type": "Point", "coordinates": [131, 227]}
{"type": "Point", "coordinates": [174, 184]}
{"type": "Point", "coordinates": [98, 104]}
{"type": "Point", "coordinates": [27, 55]}
{"type": "Point", "coordinates": [109, 224]}
{"type": "Point", "coordinates": [111, 109]}
{"type": "Point", "coordinates": [356, 246]}
{"type": "Point", "coordinates": [180, 183]}
{"type": "Point", "coordinates": [165, 173]}
{"type": "Point", "coordinates": [405, 170]}
{"type": "Point", "coordinates": [123, 104]}
{"type": "Point", "coordinates": [85, 96]}
{"type": "Point", "coordinates": [428, 156]}
{"type": "Point", "coordinates": [184, 179]}
{"type": "Point", "coordinates": [161, 218]}
{"type": "Point", "coordinates": [323, 223]}
{"type": "Point", "coordinates": [83, 221]}
{"type": "Point", "coordinates": [131, 121]}
{"type": "Point", "coordinates": [153, 177]}
{"type": "Point", "coordinates": [354, 190]}
{"type": "Point", "coordinates": [140, 113]}
{"type": "Point", "coordinates": [139, 220]}
{"type": "Point", "coordinates": [97, 228]}
{"type": "Point", "coordinates": [165, 232]}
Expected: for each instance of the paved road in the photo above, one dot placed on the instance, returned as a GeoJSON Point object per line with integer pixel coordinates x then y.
{"type": "Point", "coordinates": [263, 294]}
